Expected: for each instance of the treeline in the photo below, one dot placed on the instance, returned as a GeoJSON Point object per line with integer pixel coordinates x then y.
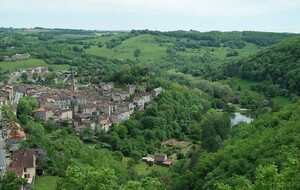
{"type": "Point", "coordinates": [197, 39]}
{"type": "Point", "coordinates": [117, 41]}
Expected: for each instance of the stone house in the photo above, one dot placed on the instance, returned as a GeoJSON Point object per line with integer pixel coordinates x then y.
{"type": "Point", "coordinates": [146, 97]}
{"type": "Point", "coordinates": [160, 157]}
{"type": "Point", "coordinates": [130, 89]}
{"type": "Point", "coordinates": [44, 113]}
{"type": "Point", "coordinates": [139, 103]}
{"type": "Point", "coordinates": [107, 86]}
{"type": "Point", "coordinates": [24, 164]}
{"type": "Point", "coordinates": [87, 108]}
{"type": "Point", "coordinates": [121, 115]}
{"type": "Point", "coordinates": [125, 96]}
{"type": "Point", "coordinates": [156, 91]}
{"type": "Point", "coordinates": [104, 123]}
{"type": "Point", "coordinates": [59, 114]}
{"type": "Point", "coordinates": [116, 97]}
{"type": "Point", "coordinates": [105, 108]}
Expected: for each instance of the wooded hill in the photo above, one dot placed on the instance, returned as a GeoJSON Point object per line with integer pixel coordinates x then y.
{"type": "Point", "coordinates": [277, 68]}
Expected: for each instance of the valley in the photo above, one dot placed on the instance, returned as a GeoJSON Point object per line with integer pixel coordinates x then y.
{"type": "Point", "coordinates": [95, 104]}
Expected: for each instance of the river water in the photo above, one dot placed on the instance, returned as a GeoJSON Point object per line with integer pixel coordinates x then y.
{"type": "Point", "coordinates": [237, 117]}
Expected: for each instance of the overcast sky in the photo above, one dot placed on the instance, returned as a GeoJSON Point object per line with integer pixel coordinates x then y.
{"type": "Point", "coordinates": [202, 15]}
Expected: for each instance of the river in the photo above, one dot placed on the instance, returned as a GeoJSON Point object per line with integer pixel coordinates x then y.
{"type": "Point", "coordinates": [237, 117]}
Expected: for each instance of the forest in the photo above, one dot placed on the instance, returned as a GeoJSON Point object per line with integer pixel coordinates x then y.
{"type": "Point", "coordinates": [206, 76]}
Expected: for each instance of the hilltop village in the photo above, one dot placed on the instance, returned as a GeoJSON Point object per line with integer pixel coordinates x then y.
{"type": "Point", "coordinates": [96, 107]}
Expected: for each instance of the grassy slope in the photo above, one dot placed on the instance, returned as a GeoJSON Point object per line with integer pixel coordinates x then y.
{"type": "Point", "coordinates": [45, 183]}
{"type": "Point", "coordinates": [149, 49]}
{"type": "Point", "coordinates": [152, 50]}
{"type": "Point", "coordinates": [30, 63]}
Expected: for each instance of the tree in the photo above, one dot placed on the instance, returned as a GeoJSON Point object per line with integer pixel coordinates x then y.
{"type": "Point", "coordinates": [268, 177]}
{"type": "Point", "coordinates": [215, 128]}
{"type": "Point", "coordinates": [122, 131]}
{"type": "Point", "coordinates": [26, 106]}
{"type": "Point", "coordinates": [179, 155]}
{"type": "Point", "coordinates": [35, 76]}
{"type": "Point", "coordinates": [88, 178]}
{"type": "Point", "coordinates": [239, 88]}
{"type": "Point", "coordinates": [147, 183]}
{"type": "Point", "coordinates": [137, 52]}
{"type": "Point", "coordinates": [136, 156]}
{"type": "Point", "coordinates": [8, 113]}
{"type": "Point", "coordinates": [87, 134]}
{"type": "Point", "coordinates": [10, 181]}
{"type": "Point", "coordinates": [24, 77]}
{"type": "Point", "coordinates": [100, 44]}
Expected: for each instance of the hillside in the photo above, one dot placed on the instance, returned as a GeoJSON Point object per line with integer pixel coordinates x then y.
{"type": "Point", "coordinates": [262, 155]}
{"type": "Point", "coordinates": [277, 68]}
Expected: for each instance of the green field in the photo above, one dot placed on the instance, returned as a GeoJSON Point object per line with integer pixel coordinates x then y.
{"type": "Point", "coordinates": [244, 84]}
{"type": "Point", "coordinates": [103, 52]}
{"type": "Point", "coordinates": [45, 183]}
{"type": "Point", "coordinates": [281, 101]}
{"type": "Point", "coordinates": [143, 168]}
{"type": "Point", "coordinates": [30, 63]}
{"type": "Point", "coordinates": [149, 49]}
{"type": "Point", "coordinates": [153, 50]}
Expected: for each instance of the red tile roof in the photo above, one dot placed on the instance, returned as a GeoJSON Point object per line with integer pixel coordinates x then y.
{"type": "Point", "coordinates": [16, 134]}
{"type": "Point", "coordinates": [41, 109]}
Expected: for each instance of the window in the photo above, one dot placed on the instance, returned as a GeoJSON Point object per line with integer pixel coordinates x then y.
{"type": "Point", "coordinates": [25, 169]}
{"type": "Point", "coordinates": [27, 175]}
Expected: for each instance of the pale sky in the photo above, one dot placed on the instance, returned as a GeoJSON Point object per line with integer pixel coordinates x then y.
{"type": "Point", "coordinates": [164, 15]}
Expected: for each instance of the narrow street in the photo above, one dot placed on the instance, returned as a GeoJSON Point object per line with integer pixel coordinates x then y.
{"type": "Point", "coordinates": [2, 155]}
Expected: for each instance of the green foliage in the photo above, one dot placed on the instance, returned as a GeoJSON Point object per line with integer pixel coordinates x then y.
{"type": "Point", "coordinates": [268, 177]}
{"type": "Point", "coordinates": [10, 181]}
{"type": "Point", "coordinates": [147, 183]}
{"type": "Point", "coordinates": [87, 178]}
{"type": "Point", "coordinates": [26, 107]}
{"type": "Point", "coordinates": [215, 128]}
{"type": "Point", "coordinates": [87, 134]}
{"type": "Point", "coordinates": [261, 155]}
{"type": "Point", "coordinates": [24, 77]}
{"type": "Point", "coordinates": [8, 113]}
{"type": "Point", "coordinates": [277, 67]}
{"type": "Point", "coordinates": [137, 52]}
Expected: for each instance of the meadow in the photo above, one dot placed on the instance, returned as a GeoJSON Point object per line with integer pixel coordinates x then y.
{"type": "Point", "coordinates": [31, 63]}
{"type": "Point", "coordinates": [45, 183]}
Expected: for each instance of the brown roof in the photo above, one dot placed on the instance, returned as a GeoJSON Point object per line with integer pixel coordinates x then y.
{"type": "Point", "coordinates": [17, 171]}
{"type": "Point", "coordinates": [23, 158]}
{"type": "Point", "coordinates": [160, 154]}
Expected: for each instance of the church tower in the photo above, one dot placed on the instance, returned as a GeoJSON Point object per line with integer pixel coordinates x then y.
{"type": "Point", "coordinates": [73, 82]}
